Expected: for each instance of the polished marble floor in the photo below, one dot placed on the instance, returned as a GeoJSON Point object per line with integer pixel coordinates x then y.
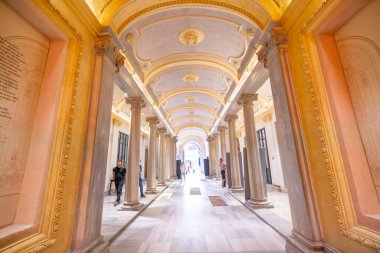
{"type": "Point", "coordinates": [178, 221]}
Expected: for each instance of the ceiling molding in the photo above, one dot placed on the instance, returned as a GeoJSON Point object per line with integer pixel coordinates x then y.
{"type": "Point", "coordinates": [209, 109]}
{"type": "Point", "coordinates": [192, 116]}
{"type": "Point", "coordinates": [201, 62]}
{"type": "Point", "coordinates": [198, 90]}
{"type": "Point", "coordinates": [192, 124]}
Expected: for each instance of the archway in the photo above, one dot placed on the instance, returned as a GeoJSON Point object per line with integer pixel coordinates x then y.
{"type": "Point", "coordinates": [192, 157]}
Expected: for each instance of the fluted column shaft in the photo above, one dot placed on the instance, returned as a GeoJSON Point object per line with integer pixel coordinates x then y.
{"type": "Point", "coordinates": [234, 158]}
{"type": "Point", "coordinates": [151, 173]}
{"type": "Point", "coordinates": [131, 200]}
{"type": "Point", "coordinates": [256, 180]}
{"type": "Point", "coordinates": [161, 164]}
{"type": "Point", "coordinates": [222, 131]}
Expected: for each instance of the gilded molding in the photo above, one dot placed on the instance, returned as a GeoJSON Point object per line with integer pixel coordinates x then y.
{"type": "Point", "coordinates": [344, 227]}
{"type": "Point", "coordinates": [67, 140]}
{"type": "Point", "coordinates": [178, 2]}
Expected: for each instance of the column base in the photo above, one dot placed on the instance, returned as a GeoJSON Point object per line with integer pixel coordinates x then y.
{"type": "Point", "coordinates": [131, 206]}
{"type": "Point", "coordinates": [161, 184]}
{"type": "Point", "coordinates": [237, 189]}
{"type": "Point", "coordinates": [151, 191]}
{"type": "Point", "coordinates": [296, 243]}
{"type": "Point", "coordinates": [173, 177]}
{"type": "Point", "coordinates": [259, 203]}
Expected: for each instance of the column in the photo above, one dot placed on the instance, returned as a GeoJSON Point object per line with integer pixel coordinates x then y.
{"type": "Point", "coordinates": [217, 155]}
{"type": "Point", "coordinates": [215, 167]}
{"type": "Point", "coordinates": [91, 191]}
{"type": "Point", "coordinates": [174, 158]}
{"type": "Point", "coordinates": [257, 183]}
{"type": "Point", "coordinates": [168, 157]}
{"type": "Point", "coordinates": [222, 134]}
{"type": "Point", "coordinates": [131, 200]}
{"type": "Point", "coordinates": [161, 162]}
{"type": "Point", "coordinates": [151, 173]}
{"type": "Point", "coordinates": [306, 235]}
{"type": "Point", "coordinates": [235, 170]}
{"type": "Point", "coordinates": [110, 161]}
{"type": "Point", "coordinates": [210, 158]}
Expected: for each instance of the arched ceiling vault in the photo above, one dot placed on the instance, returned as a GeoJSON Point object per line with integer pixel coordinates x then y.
{"type": "Point", "coordinates": [189, 55]}
{"type": "Point", "coordinates": [105, 10]}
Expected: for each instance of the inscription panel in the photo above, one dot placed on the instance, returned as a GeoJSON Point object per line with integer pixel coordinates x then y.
{"type": "Point", "coordinates": [23, 54]}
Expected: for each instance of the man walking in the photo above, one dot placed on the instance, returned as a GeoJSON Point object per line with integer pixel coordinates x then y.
{"type": "Point", "coordinates": [119, 178]}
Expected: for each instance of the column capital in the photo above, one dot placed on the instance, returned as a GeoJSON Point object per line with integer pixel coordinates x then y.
{"type": "Point", "coordinates": [116, 122]}
{"type": "Point", "coordinates": [135, 102]}
{"type": "Point", "coordinates": [216, 135]}
{"type": "Point", "coordinates": [278, 36]}
{"type": "Point", "coordinates": [168, 136]}
{"type": "Point", "coordinates": [175, 139]}
{"type": "Point", "coordinates": [162, 130]}
{"type": "Point", "coordinates": [247, 99]}
{"type": "Point", "coordinates": [104, 45]}
{"type": "Point", "coordinates": [221, 129]}
{"type": "Point", "coordinates": [210, 138]}
{"type": "Point", "coordinates": [152, 120]}
{"type": "Point", "coordinates": [231, 118]}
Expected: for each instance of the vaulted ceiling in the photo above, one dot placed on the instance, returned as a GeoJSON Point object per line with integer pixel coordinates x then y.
{"type": "Point", "coordinates": [189, 55]}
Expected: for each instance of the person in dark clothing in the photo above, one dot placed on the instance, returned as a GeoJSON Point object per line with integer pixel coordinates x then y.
{"type": "Point", "coordinates": [141, 184]}
{"type": "Point", "coordinates": [119, 177]}
{"type": "Point", "coordinates": [223, 168]}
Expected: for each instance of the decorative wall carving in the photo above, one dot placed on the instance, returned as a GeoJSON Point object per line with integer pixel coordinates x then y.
{"type": "Point", "coordinates": [360, 60]}
{"type": "Point", "coordinates": [335, 188]}
{"type": "Point", "coordinates": [191, 36]}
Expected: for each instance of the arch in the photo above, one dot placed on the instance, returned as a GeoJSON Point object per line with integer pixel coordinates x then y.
{"type": "Point", "coordinates": [205, 91]}
{"type": "Point", "coordinates": [191, 117]}
{"type": "Point", "coordinates": [192, 107]}
{"type": "Point", "coordinates": [259, 12]}
{"type": "Point", "coordinates": [193, 124]}
{"type": "Point", "coordinates": [219, 65]}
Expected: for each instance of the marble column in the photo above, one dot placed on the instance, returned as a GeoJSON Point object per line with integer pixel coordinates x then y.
{"type": "Point", "coordinates": [162, 160]}
{"type": "Point", "coordinates": [151, 173]}
{"type": "Point", "coordinates": [168, 157]}
{"type": "Point", "coordinates": [257, 184]}
{"type": "Point", "coordinates": [215, 167]}
{"type": "Point", "coordinates": [131, 200]}
{"type": "Point", "coordinates": [111, 161]}
{"type": "Point", "coordinates": [93, 172]}
{"type": "Point", "coordinates": [174, 158]}
{"type": "Point", "coordinates": [234, 156]}
{"type": "Point", "coordinates": [306, 235]}
{"type": "Point", "coordinates": [222, 134]}
{"type": "Point", "coordinates": [210, 158]}
{"type": "Point", "coordinates": [217, 155]}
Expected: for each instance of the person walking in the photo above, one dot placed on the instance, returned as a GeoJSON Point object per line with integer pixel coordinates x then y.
{"type": "Point", "coordinates": [118, 176]}
{"type": "Point", "coordinates": [141, 184]}
{"type": "Point", "coordinates": [223, 168]}
{"type": "Point", "coordinates": [183, 172]}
